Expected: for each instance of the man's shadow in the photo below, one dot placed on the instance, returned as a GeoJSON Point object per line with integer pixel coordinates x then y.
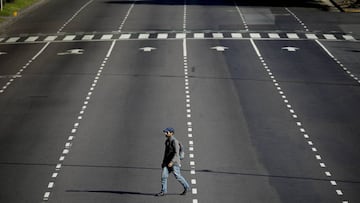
{"type": "Point", "coordinates": [118, 192]}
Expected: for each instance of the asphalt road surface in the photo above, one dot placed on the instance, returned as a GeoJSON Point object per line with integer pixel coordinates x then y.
{"type": "Point", "coordinates": [265, 97]}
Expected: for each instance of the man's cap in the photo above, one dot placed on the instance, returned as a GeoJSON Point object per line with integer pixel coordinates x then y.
{"type": "Point", "coordinates": [169, 130]}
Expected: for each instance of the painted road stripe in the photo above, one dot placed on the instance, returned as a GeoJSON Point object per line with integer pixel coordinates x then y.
{"type": "Point", "coordinates": [125, 36]}
{"type": "Point", "coordinates": [311, 36]}
{"type": "Point", "coordinates": [13, 39]}
{"type": "Point", "coordinates": [88, 37]}
{"type": "Point", "coordinates": [106, 37]}
{"type": "Point", "coordinates": [162, 36]}
{"type": "Point", "coordinates": [274, 35]}
{"type": "Point", "coordinates": [255, 35]}
{"type": "Point", "coordinates": [292, 36]}
{"type": "Point", "coordinates": [348, 37]}
{"type": "Point", "coordinates": [218, 35]}
{"type": "Point", "coordinates": [50, 38]}
{"type": "Point", "coordinates": [144, 36]}
{"type": "Point", "coordinates": [236, 35]}
{"type": "Point", "coordinates": [180, 35]}
{"type": "Point", "coordinates": [1, 39]}
{"type": "Point", "coordinates": [329, 36]}
{"type": "Point", "coordinates": [199, 35]}
{"type": "Point", "coordinates": [69, 38]}
{"type": "Point", "coordinates": [31, 39]}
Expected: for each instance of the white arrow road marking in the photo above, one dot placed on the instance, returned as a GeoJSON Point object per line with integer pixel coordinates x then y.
{"type": "Point", "coordinates": [72, 51]}
{"type": "Point", "coordinates": [2, 53]}
{"type": "Point", "coordinates": [147, 49]}
{"type": "Point", "coordinates": [290, 48]}
{"type": "Point", "coordinates": [219, 48]}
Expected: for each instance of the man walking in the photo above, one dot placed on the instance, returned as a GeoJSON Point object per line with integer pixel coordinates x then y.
{"type": "Point", "coordinates": [171, 163]}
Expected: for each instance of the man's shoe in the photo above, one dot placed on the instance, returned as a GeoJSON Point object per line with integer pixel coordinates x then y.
{"type": "Point", "coordinates": [160, 194]}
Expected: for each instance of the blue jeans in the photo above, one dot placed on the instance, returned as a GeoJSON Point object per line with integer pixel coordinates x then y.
{"type": "Point", "coordinates": [165, 174]}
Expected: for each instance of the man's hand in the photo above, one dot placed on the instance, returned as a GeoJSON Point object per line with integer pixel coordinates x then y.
{"type": "Point", "coordinates": [170, 164]}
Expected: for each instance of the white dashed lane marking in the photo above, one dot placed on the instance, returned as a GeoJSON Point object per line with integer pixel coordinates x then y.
{"type": "Point", "coordinates": [22, 69]}
{"type": "Point", "coordinates": [68, 144]}
{"type": "Point", "coordinates": [189, 123]}
{"type": "Point", "coordinates": [297, 120]}
{"type": "Point", "coordinates": [76, 14]}
{"type": "Point", "coordinates": [342, 66]}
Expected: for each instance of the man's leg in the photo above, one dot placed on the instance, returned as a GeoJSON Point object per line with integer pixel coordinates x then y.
{"type": "Point", "coordinates": [164, 177]}
{"type": "Point", "coordinates": [181, 179]}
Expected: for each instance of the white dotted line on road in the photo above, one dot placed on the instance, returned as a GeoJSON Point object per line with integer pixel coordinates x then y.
{"type": "Point", "coordinates": [127, 15]}
{"type": "Point", "coordinates": [77, 13]}
{"type": "Point", "coordinates": [338, 62]}
{"type": "Point", "coordinates": [19, 73]}
{"type": "Point", "coordinates": [189, 124]}
{"type": "Point", "coordinates": [298, 19]}
{"type": "Point", "coordinates": [185, 16]}
{"type": "Point", "coordinates": [298, 122]}
{"type": "Point", "coordinates": [75, 128]}
{"type": "Point", "coordinates": [241, 16]}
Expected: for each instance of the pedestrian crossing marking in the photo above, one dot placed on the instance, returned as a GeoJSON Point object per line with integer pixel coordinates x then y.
{"type": "Point", "coordinates": [348, 37]}
{"type": "Point", "coordinates": [88, 37]}
{"type": "Point", "coordinates": [236, 35]}
{"type": "Point", "coordinates": [329, 36]}
{"type": "Point", "coordinates": [218, 35]}
{"type": "Point", "coordinates": [171, 35]}
{"type": "Point", "coordinates": [32, 39]}
{"type": "Point", "coordinates": [180, 35]}
{"type": "Point", "coordinates": [50, 38]}
{"type": "Point", "coordinates": [69, 38]}
{"type": "Point", "coordinates": [274, 35]}
{"type": "Point", "coordinates": [199, 35]}
{"type": "Point", "coordinates": [13, 39]}
{"type": "Point", "coordinates": [311, 36]}
{"type": "Point", "coordinates": [162, 36]}
{"type": "Point", "coordinates": [106, 37]}
{"type": "Point", "coordinates": [255, 35]}
{"type": "Point", "coordinates": [292, 36]}
{"type": "Point", "coordinates": [125, 36]}
{"type": "Point", "coordinates": [144, 36]}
